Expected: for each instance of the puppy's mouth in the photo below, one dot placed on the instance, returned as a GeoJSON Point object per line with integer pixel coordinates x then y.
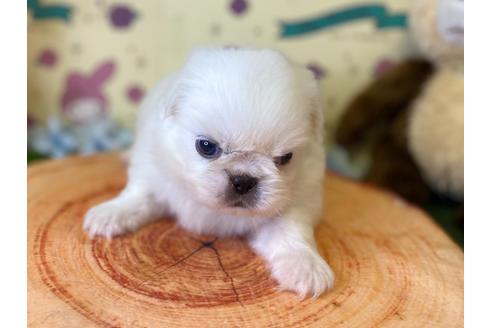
{"type": "Point", "coordinates": [239, 203]}
{"type": "Point", "coordinates": [242, 202]}
{"type": "Point", "coordinates": [248, 201]}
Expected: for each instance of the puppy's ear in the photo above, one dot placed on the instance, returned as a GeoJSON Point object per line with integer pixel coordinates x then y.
{"type": "Point", "coordinates": [316, 120]}
{"type": "Point", "coordinates": [313, 95]}
{"type": "Point", "coordinates": [178, 86]}
{"type": "Point", "coordinates": [171, 98]}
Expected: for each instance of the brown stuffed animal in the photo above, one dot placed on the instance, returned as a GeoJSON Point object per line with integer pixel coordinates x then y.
{"type": "Point", "coordinates": [378, 117]}
{"type": "Point", "coordinates": [411, 117]}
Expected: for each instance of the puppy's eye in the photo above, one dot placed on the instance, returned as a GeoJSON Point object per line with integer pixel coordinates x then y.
{"type": "Point", "coordinates": [282, 160]}
{"type": "Point", "coordinates": [207, 148]}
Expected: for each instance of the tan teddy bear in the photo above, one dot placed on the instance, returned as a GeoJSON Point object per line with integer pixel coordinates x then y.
{"type": "Point", "coordinates": [411, 118]}
{"type": "Point", "coordinates": [436, 122]}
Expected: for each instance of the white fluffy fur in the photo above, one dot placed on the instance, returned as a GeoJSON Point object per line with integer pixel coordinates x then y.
{"type": "Point", "coordinates": [257, 105]}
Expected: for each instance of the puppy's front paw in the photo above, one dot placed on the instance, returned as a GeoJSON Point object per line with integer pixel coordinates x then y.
{"type": "Point", "coordinates": [303, 272]}
{"type": "Point", "coordinates": [111, 219]}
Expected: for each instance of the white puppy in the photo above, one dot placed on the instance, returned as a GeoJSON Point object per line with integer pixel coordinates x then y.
{"type": "Point", "coordinates": [232, 145]}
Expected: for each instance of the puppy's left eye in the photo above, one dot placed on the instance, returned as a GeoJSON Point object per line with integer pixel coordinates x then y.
{"type": "Point", "coordinates": [283, 160]}
{"type": "Point", "coordinates": [207, 148]}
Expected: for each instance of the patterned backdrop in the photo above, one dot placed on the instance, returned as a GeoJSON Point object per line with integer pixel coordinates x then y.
{"type": "Point", "coordinates": [90, 62]}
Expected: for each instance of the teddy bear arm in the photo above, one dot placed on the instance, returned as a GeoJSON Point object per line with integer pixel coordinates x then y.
{"type": "Point", "coordinates": [382, 101]}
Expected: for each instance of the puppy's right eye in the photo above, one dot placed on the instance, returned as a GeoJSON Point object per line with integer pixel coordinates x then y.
{"type": "Point", "coordinates": [207, 148]}
{"type": "Point", "coordinates": [283, 160]}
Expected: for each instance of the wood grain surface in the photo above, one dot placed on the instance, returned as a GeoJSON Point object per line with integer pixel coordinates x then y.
{"type": "Point", "coordinates": [394, 267]}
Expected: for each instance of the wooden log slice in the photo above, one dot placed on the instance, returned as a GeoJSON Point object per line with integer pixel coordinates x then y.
{"type": "Point", "coordinates": [394, 267]}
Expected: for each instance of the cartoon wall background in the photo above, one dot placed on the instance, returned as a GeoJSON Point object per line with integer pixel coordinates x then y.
{"type": "Point", "coordinates": [90, 62]}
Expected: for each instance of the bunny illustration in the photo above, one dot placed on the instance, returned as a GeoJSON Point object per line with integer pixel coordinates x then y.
{"type": "Point", "coordinates": [83, 100]}
{"type": "Point", "coordinates": [85, 109]}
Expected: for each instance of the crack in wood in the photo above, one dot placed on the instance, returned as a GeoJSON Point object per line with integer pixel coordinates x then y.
{"type": "Point", "coordinates": [399, 315]}
{"type": "Point", "coordinates": [184, 258]}
{"type": "Point", "coordinates": [227, 274]}
{"type": "Point", "coordinates": [205, 244]}
{"type": "Point", "coordinates": [210, 244]}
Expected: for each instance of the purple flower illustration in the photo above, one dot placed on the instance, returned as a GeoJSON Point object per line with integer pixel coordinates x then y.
{"type": "Point", "coordinates": [135, 93]}
{"type": "Point", "coordinates": [239, 7]}
{"type": "Point", "coordinates": [121, 16]}
{"type": "Point", "coordinates": [48, 58]}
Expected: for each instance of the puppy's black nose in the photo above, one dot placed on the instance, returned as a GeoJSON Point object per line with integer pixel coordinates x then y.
{"type": "Point", "coordinates": [243, 183]}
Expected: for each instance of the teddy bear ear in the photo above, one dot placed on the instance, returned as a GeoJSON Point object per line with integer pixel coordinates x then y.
{"type": "Point", "coordinates": [451, 21]}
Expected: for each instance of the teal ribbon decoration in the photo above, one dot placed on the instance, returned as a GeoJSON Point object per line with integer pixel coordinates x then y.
{"type": "Point", "coordinates": [40, 11]}
{"type": "Point", "coordinates": [378, 13]}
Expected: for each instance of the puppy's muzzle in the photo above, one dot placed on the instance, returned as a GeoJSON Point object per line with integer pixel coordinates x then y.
{"type": "Point", "coordinates": [243, 184]}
